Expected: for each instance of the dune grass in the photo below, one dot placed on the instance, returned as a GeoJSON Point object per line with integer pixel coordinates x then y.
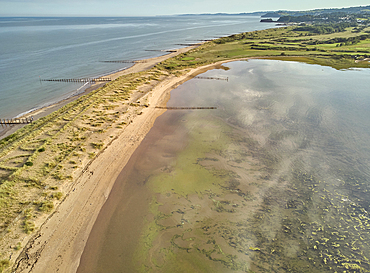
{"type": "Point", "coordinates": [39, 162]}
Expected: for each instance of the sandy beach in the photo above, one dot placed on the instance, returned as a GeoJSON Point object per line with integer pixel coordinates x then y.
{"type": "Point", "coordinates": [58, 243]}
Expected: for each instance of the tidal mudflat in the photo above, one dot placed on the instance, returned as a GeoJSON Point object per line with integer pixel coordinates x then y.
{"type": "Point", "coordinates": [275, 179]}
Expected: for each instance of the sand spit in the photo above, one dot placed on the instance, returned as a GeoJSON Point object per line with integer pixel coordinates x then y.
{"type": "Point", "coordinates": [58, 243]}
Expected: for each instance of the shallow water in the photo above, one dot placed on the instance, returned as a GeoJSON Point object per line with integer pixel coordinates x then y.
{"type": "Point", "coordinates": [275, 180]}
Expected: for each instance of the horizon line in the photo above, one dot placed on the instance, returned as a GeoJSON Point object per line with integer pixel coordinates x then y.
{"type": "Point", "coordinates": [180, 14]}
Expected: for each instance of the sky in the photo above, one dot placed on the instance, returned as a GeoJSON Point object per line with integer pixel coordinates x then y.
{"type": "Point", "coordinates": [159, 7]}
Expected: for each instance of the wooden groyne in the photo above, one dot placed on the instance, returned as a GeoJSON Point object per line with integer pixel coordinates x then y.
{"type": "Point", "coordinates": [212, 78]}
{"type": "Point", "coordinates": [125, 61]}
{"type": "Point", "coordinates": [78, 80]}
{"type": "Point", "coordinates": [184, 108]}
{"type": "Point", "coordinates": [188, 44]}
{"type": "Point", "coordinates": [16, 121]}
{"type": "Point", "coordinates": [162, 50]}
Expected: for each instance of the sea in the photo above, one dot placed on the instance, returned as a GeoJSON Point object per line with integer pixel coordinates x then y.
{"type": "Point", "coordinates": [34, 49]}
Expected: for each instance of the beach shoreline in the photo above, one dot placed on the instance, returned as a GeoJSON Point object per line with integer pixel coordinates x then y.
{"type": "Point", "coordinates": [60, 240]}
{"type": "Point", "coordinates": [43, 111]}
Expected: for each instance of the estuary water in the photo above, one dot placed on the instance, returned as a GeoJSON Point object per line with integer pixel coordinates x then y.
{"type": "Point", "coordinates": [276, 179]}
{"type": "Point", "coordinates": [55, 48]}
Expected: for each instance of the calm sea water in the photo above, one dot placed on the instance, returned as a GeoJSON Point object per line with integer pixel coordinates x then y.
{"type": "Point", "coordinates": [34, 48]}
{"type": "Point", "coordinates": [277, 179]}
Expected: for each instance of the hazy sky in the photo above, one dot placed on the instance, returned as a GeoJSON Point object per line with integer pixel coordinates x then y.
{"type": "Point", "coordinates": [158, 7]}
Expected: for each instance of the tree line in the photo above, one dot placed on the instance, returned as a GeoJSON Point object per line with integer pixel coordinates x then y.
{"type": "Point", "coordinates": [326, 28]}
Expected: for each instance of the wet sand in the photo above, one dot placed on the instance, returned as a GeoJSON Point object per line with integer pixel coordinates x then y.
{"type": "Point", "coordinates": [123, 216]}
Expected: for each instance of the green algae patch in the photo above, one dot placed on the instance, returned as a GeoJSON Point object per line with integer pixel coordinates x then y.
{"type": "Point", "coordinates": [169, 257]}
{"type": "Point", "coordinates": [190, 262]}
{"type": "Point", "coordinates": [150, 232]}
{"type": "Point", "coordinates": [189, 201]}
{"type": "Point", "coordinates": [186, 176]}
{"type": "Point", "coordinates": [185, 180]}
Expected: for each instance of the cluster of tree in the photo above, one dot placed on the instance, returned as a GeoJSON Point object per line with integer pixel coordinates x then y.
{"type": "Point", "coordinates": [285, 48]}
{"type": "Point", "coordinates": [240, 36]}
{"type": "Point", "coordinates": [296, 19]}
{"type": "Point", "coordinates": [325, 28]}
{"type": "Point", "coordinates": [321, 12]}
{"type": "Point", "coordinates": [343, 41]}
{"type": "Point", "coordinates": [324, 18]}
{"type": "Point", "coordinates": [231, 38]}
{"type": "Point", "coordinates": [359, 29]}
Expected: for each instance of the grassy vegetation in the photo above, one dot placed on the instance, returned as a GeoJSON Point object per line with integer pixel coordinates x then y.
{"type": "Point", "coordinates": [4, 264]}
{"type": "Point", "coordinates": [41, 160]}
{"type": "Point", "coordinates": [341, 50]}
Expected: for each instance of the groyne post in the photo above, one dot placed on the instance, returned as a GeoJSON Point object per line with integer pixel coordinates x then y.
{"type": "Point", "coordinates": [212, 78]}
{"type": "Point", "coordinates": [77, 80]}
{"type": "Point", "coordinates": [16, 121]}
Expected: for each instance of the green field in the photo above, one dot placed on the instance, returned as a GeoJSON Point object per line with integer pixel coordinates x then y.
{"type": "Point", "coordinates": [281, 43]}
